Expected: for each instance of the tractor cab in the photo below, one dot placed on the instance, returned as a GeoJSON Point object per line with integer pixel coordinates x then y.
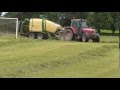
{"type": "Point", "coordinates": [79, 23]}
{"type": "Point", "coordinates": [81, 26]}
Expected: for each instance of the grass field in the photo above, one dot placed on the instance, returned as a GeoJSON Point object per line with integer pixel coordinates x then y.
{"type": "Point", "coordinates": [24, 57]}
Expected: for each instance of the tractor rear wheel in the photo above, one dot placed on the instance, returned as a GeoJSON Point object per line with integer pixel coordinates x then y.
{"type": "Point", "coordinates": [85, 38]}
{"type": "Point", "coordinates": [68, 35]}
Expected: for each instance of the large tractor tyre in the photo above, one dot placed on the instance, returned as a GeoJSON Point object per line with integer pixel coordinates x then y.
{"type": "Point", "coordinates": [68, 35]}
{"type": "Point", "coordinates": [40, 36]}
{"type": "Point", "coordinates": [32, 35]}
{"type": "Point", "coordinates": [97, 39]}
{"type": "Point", "coordinates": [85, 38]}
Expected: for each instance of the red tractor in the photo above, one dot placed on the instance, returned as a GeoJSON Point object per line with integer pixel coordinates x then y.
{"type": "Point", "coordinates": [79, 30]}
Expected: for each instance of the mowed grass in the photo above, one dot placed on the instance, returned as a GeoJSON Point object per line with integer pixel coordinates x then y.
{"type": "Point", "coordinates": [109, 39]}
{"type": "Point", "coordinates": [27, 58]}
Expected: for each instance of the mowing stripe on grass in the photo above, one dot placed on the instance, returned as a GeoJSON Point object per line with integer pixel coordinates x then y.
{"type": "Point", "coordinates": [48, 58]}
{"type": "Point", "coordinates": [81, 57]}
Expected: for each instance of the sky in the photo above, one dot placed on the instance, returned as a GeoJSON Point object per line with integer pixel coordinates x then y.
{"type": "Point", "coordinates": [3, 13]}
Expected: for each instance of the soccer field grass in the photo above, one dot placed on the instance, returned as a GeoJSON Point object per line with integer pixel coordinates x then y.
{"type": "Point", "coordinates": [28, 58]}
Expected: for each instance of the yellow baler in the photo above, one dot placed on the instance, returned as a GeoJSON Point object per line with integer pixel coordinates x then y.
{"type": "Point", "coordinates": [40, 27]}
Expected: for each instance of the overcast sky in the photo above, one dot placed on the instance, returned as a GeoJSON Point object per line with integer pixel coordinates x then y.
{"type": "Point", "coordinates": [3, 13]}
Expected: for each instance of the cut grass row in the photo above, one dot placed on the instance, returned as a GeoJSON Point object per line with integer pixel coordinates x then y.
{"type": "Point", "coordinates": [53, 58]}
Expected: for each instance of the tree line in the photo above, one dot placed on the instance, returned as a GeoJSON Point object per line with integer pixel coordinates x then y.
{"type": "Point", "coordinates": [98, 20]}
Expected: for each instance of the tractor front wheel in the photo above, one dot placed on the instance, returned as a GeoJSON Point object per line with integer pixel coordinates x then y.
{"type": "Point", "coordinates": [97, 39]}
{"type": "Point", "coordinates": [85, 38]}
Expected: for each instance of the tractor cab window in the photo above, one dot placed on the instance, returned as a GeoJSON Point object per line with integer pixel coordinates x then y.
{"type": "Point", "coordinates": [84, 24]}
{"type": "Point", "coordinates": [75, 24]}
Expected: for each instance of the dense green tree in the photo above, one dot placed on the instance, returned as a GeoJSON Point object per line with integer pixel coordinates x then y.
{"type": "Point", "coordinates": [23, 15]}
{"type": "Point", "coordinates": [101, 20]}
{"type": "Point", "coordinates": [105, 20]}
{"type": "Point", "coordinates": [116, 21]}
{"type": "Point", "coordinates": [65, 17]}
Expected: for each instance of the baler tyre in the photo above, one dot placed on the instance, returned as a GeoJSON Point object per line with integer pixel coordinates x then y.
{"type": "Point", "coordinates": [40, 36]}
{"type": "Point", "coordinates": [85, 38]}
{"type": "Point", "coordinates": [45, 36]}
{"type": "Point", "coordinates": [97, 39]}
{"type": "Point", "coordinates": [68, 35]}
{"type": "Point", "coordinates": [31, 35]}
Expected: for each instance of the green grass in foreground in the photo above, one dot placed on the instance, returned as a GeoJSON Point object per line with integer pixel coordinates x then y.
{"type": "Point", "coordinates": [53, 58]}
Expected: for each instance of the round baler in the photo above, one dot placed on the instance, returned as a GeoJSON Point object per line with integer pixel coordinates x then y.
{"type": "Point", "coordinates": [41, 27]}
